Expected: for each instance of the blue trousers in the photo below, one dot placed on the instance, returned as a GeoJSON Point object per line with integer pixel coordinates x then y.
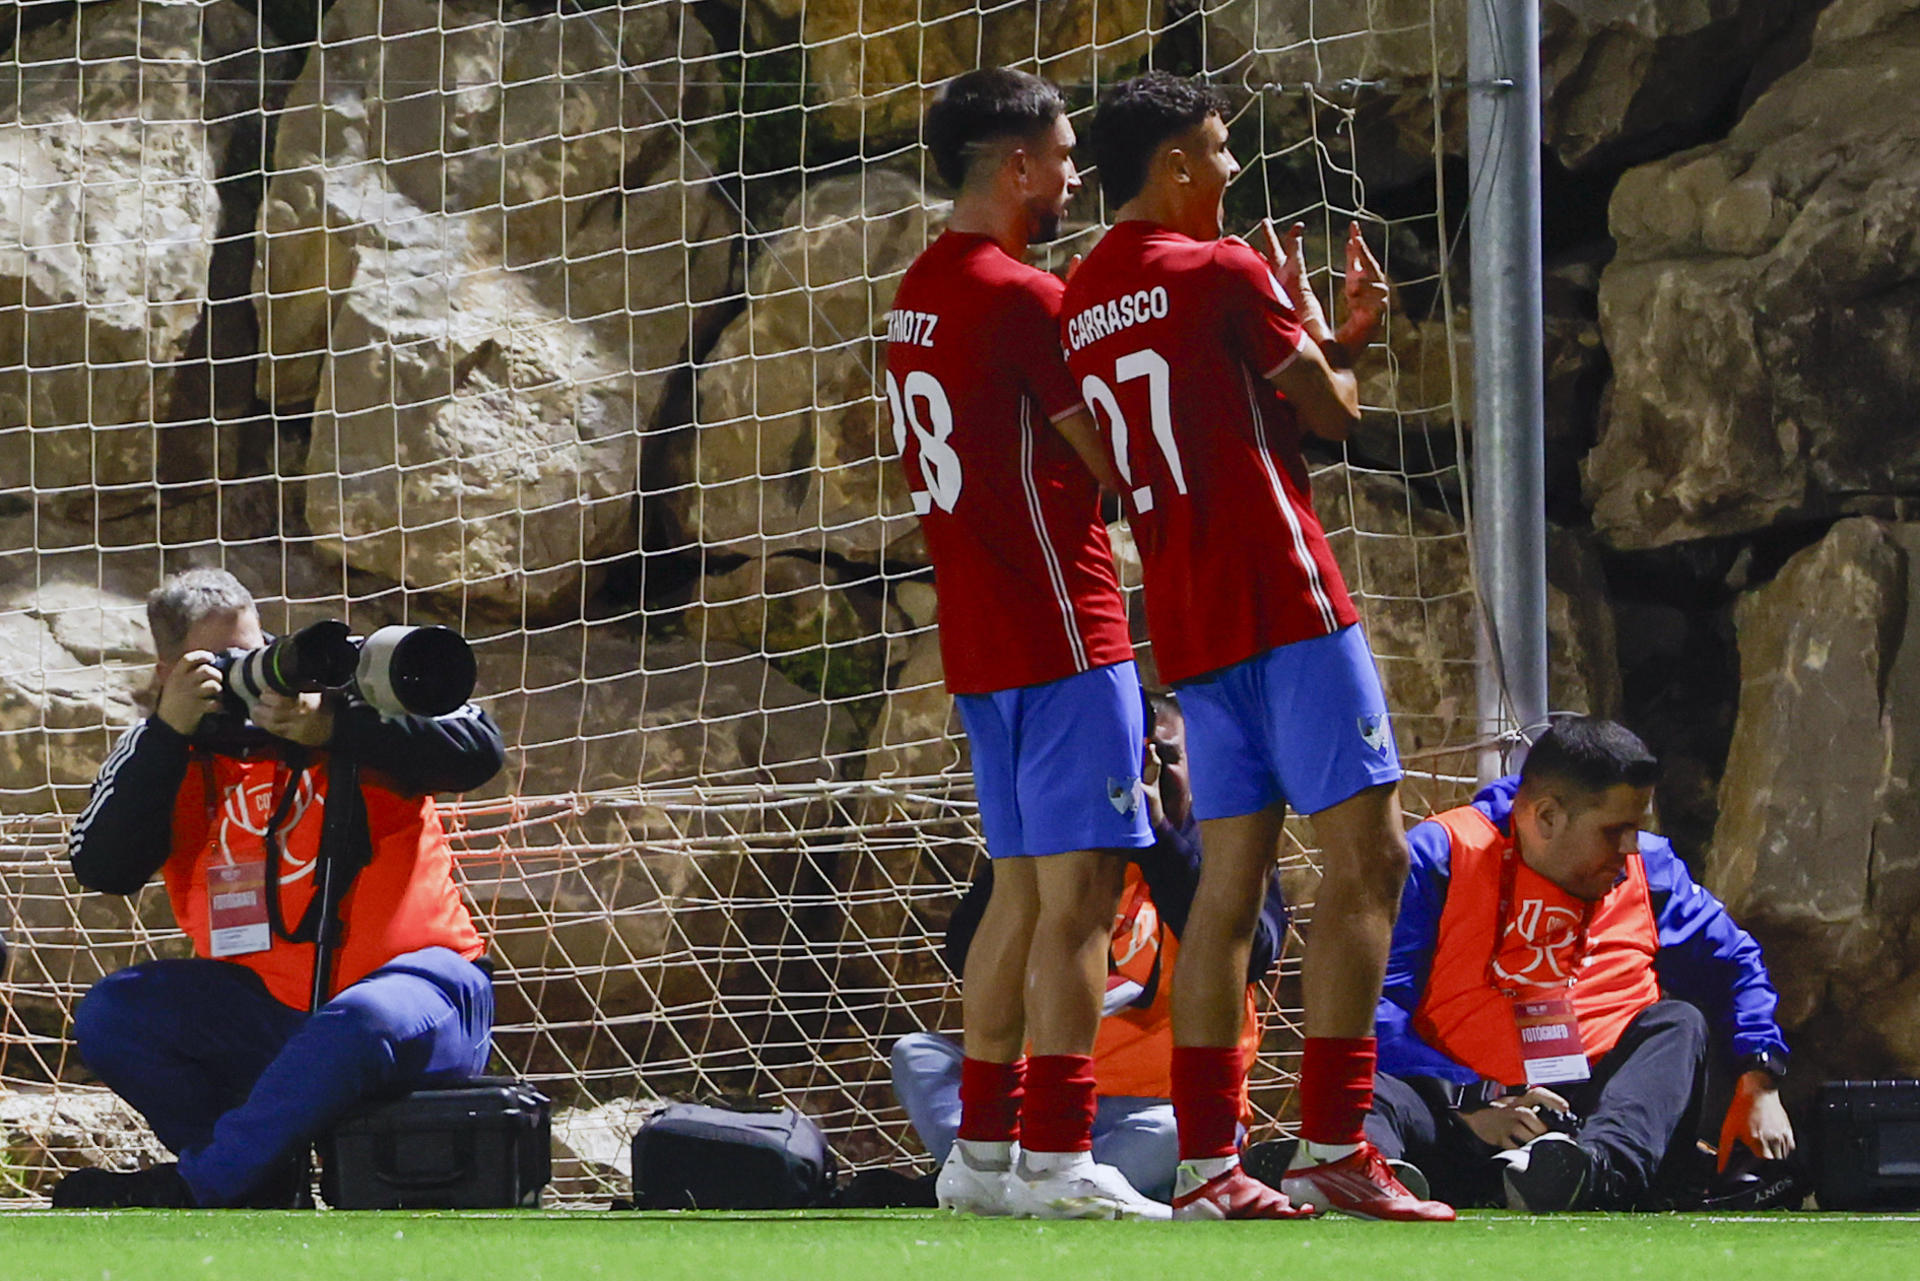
{"type": "Point", "coordinates": [235, 1083]}
{"type": "Point", "coordinates": [1136, 1135]}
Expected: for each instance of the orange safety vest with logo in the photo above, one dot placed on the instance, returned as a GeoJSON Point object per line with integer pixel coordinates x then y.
{"type": "Point", "coordinates": [1466, 1018]}
{"type": "Point", "coordinates": [404, 900]}
{"type": "Point", "coordinates": [1133, 1053]}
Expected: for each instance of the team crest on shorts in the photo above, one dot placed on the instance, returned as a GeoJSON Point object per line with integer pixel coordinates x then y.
{"type": "Point", "coordinates": [1123, 793]}
{"type": "Point", "coordinates": [1374, 732]}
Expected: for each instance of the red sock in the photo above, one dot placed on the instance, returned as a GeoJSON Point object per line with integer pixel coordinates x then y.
{"type": "Point", "coordinates": [1058, 1113]}
{"type": "Point", "coordinates": [1336, 1088]}
{"type": "Point", "coordinates": [990, 1100]}
{"type": "Point", "coordinates": [1206, 1099]}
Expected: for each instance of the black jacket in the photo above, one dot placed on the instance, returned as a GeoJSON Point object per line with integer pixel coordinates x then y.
{"type": "Point", "coordinates": [125, 834]}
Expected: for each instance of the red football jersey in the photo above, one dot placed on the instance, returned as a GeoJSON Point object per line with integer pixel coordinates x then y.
{"type": "Point", "coordinates": [975, 378]}
{"type": "Point", "coordinates": [1172, 341]}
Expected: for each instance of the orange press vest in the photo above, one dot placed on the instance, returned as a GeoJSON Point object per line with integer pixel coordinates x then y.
{"type": "Point", "coordinates": [1133, 1052]}
{"type": "Point", "coordinates": [1464, 1017]}
{"type": "Point", "coordinates": [404, 900]}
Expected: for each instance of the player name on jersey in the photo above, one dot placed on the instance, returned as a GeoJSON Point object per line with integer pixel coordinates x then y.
{"type": "Point", "coordinates": [1116, 314]}
{"type": "Point", "coordinates": [915, 327]}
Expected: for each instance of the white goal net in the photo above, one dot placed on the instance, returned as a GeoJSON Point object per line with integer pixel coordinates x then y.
{"type": "Point", "coordinates": [558, 322]}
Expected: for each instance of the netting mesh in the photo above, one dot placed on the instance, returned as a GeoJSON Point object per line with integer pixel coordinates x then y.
{"type": "Point", "coordinates": [559, 324]}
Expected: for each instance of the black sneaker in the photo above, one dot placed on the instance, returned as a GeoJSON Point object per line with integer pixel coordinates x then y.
{"type": "Point", "coordinates": [158, 1187]}
{"type": "Point", "coordinates": [289, 1186]}
{"type": "Point", "coordinates": [1551, 1174]}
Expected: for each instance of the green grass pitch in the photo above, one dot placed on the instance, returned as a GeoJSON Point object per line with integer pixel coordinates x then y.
{"type": "Point", "coordinates": [926, 1246]}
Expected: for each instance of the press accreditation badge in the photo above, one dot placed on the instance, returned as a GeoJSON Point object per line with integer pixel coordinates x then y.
{"type": "Point", "coordinates": [1550, 1047]}
{"type": "Point", "coordinates": [237, 909]}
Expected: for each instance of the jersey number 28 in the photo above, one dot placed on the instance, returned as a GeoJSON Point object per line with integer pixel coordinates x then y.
{"type": "Point", "coordinates": [939, 464]}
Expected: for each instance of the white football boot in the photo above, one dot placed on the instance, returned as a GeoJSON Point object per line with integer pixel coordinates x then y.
{"type": "Point", "coordinates": [966, 1188]}
{"type": "Point", "coordinates": [1081, 1189]}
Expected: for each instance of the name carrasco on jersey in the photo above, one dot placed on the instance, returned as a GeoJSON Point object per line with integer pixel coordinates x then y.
{"type": "Point", "coordinates": [1115, 314]}
{"type": "Point", "coordinates": [911, 327]}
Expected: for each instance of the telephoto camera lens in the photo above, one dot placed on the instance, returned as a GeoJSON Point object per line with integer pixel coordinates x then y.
{"type": "Point", "coordinates": [425, 671]}
{"type": "Point", "coordinates": [319, 656]}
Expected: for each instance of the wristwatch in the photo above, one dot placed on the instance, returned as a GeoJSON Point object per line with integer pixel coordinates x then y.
{"type": "Point", "coordinates": [1772, 1062]}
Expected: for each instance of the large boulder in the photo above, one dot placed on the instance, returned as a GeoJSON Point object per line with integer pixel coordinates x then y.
{"type": "Point", "coordinates": [872, 65]}
{"type": "Point", "coordinates": [792, 448]}
{"type": "Point", "coordinates": [46, 1131]}
{"type": "Point", "coordinates": [114, 126]}
{"type": "Point", "coordinates": [1405, 564]}
{"type": "Point", "coordinates": [480, 254]}
{"type": "Point", "coordinates": [73, 658]}
{"type": "Point", "coordinates": [1616, 80]}
{"type": "Point", "coordinates": [663, 809]}
{"type": "Point", "coordinates": [1405, 560]}
{"type": "Point", "coordinates": [917, 733]}
{"type": "Point", "coordinates": [1760, 312]}
{"type": "Point", "coordinates": [628, 936]}
{"type": "Point", "coordinates": [1817, 849]}
{"type": "Point", "coordinates": [827, 628]}
{"type": "Point", "coordinates": [591, 708]}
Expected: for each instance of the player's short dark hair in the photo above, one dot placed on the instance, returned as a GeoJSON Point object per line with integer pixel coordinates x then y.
{"type": "Point", "coordinates": [1587, 755]}
{"type": "Point", "coordinates": [985, 106]}
{"type": "Point", "coordinates": [1136, 116]}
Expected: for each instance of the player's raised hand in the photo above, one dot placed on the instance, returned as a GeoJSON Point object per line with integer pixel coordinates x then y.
{"type": "Point", "coordinates": [1283, 253]}
{"type": "Point", "coordinates": [1366, 290]}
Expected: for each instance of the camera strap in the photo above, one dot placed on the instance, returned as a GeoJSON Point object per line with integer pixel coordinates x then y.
{"type": "Point", "coordinates": [344, 839]}
{"type": "Point", "coordinates": [296, 763]}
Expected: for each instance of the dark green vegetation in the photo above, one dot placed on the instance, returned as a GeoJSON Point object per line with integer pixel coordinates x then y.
{"type": "Point", "coordinates": [923, 1246]}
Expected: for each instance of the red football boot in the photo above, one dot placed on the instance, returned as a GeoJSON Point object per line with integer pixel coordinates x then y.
{"type": "Point", "coordinates": [1360, 1184]}
{"type": "Point", "coordinates": [1232, 1195]}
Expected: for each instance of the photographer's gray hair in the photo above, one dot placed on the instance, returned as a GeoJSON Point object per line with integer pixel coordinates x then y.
{"type": "Point", "coordinates": [183, 599]}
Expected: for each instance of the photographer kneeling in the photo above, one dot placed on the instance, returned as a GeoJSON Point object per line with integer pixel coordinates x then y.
{"type": "Point", "coordinates": [218, 1052]}
{"type": "Point", "coordinates": [1542, 1035]}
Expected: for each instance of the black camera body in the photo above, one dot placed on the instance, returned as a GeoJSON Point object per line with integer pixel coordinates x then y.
{"type": "Point", "coordinates": [1556, 1121]}
{"type": "Point", "coordinates": [399, 671]}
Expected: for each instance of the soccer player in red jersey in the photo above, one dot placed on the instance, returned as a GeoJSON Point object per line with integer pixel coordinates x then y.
{"type": "Point", "coordinates": [1207, 368]}
{"type": "Point", "coordinates": [1001, 458]}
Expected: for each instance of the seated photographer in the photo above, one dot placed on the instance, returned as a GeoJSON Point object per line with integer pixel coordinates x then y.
{"type": "Point", "coordinates": [1563, 1067]}
{"type": "Point", "coordinates": [1133, 1128]}
{"type": "Point", "coordinates": [218, 1052]}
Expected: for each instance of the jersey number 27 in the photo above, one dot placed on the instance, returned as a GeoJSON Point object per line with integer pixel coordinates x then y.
{"type": "Point", "coordinates": [1099, 395]}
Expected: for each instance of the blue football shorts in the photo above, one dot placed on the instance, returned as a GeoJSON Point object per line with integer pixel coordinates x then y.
{"type": "Point", "coordinates": [1304, 723]}
{"type": "Point", "coordinates": [1057, 766]}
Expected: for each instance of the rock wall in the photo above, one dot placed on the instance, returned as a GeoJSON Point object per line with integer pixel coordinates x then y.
{"type": "Point", "coordinates": [1618, 80]}
{"type": "Point", "coordinates": [1756, 318]}
{"type": "Point", "coordinates": [1818, 846]}
{"type": "Point", "coordinates": [495, 343]}
{"type": "Point", "coordinates": [472, 268]}
{"type": "Point", "coordinates": [108, 197]}
{"type": "Point", "coordinates": [1760, 311]}
{"type": "Point", "coordinates": [871, 64]}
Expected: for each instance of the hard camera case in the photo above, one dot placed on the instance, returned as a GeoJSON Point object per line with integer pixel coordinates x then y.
{"type": "Point", "coordinates": [1866, 1141]}
{"type": "Point", "coordinates": [696, 1156]}
{"type": "Point", "coordinates": [483, 1145]}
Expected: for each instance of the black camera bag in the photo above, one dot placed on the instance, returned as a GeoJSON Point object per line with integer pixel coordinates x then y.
{"type": "Point", "coordinates": [1866, 1145]}
{"type": "Point", "coordinates": [698, 1156]}
{"type": "Point", "coordinates": [483, 1145]}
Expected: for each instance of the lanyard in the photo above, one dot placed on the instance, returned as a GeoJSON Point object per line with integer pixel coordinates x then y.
{"type": "Point", "coordinates": [1509, 875]}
